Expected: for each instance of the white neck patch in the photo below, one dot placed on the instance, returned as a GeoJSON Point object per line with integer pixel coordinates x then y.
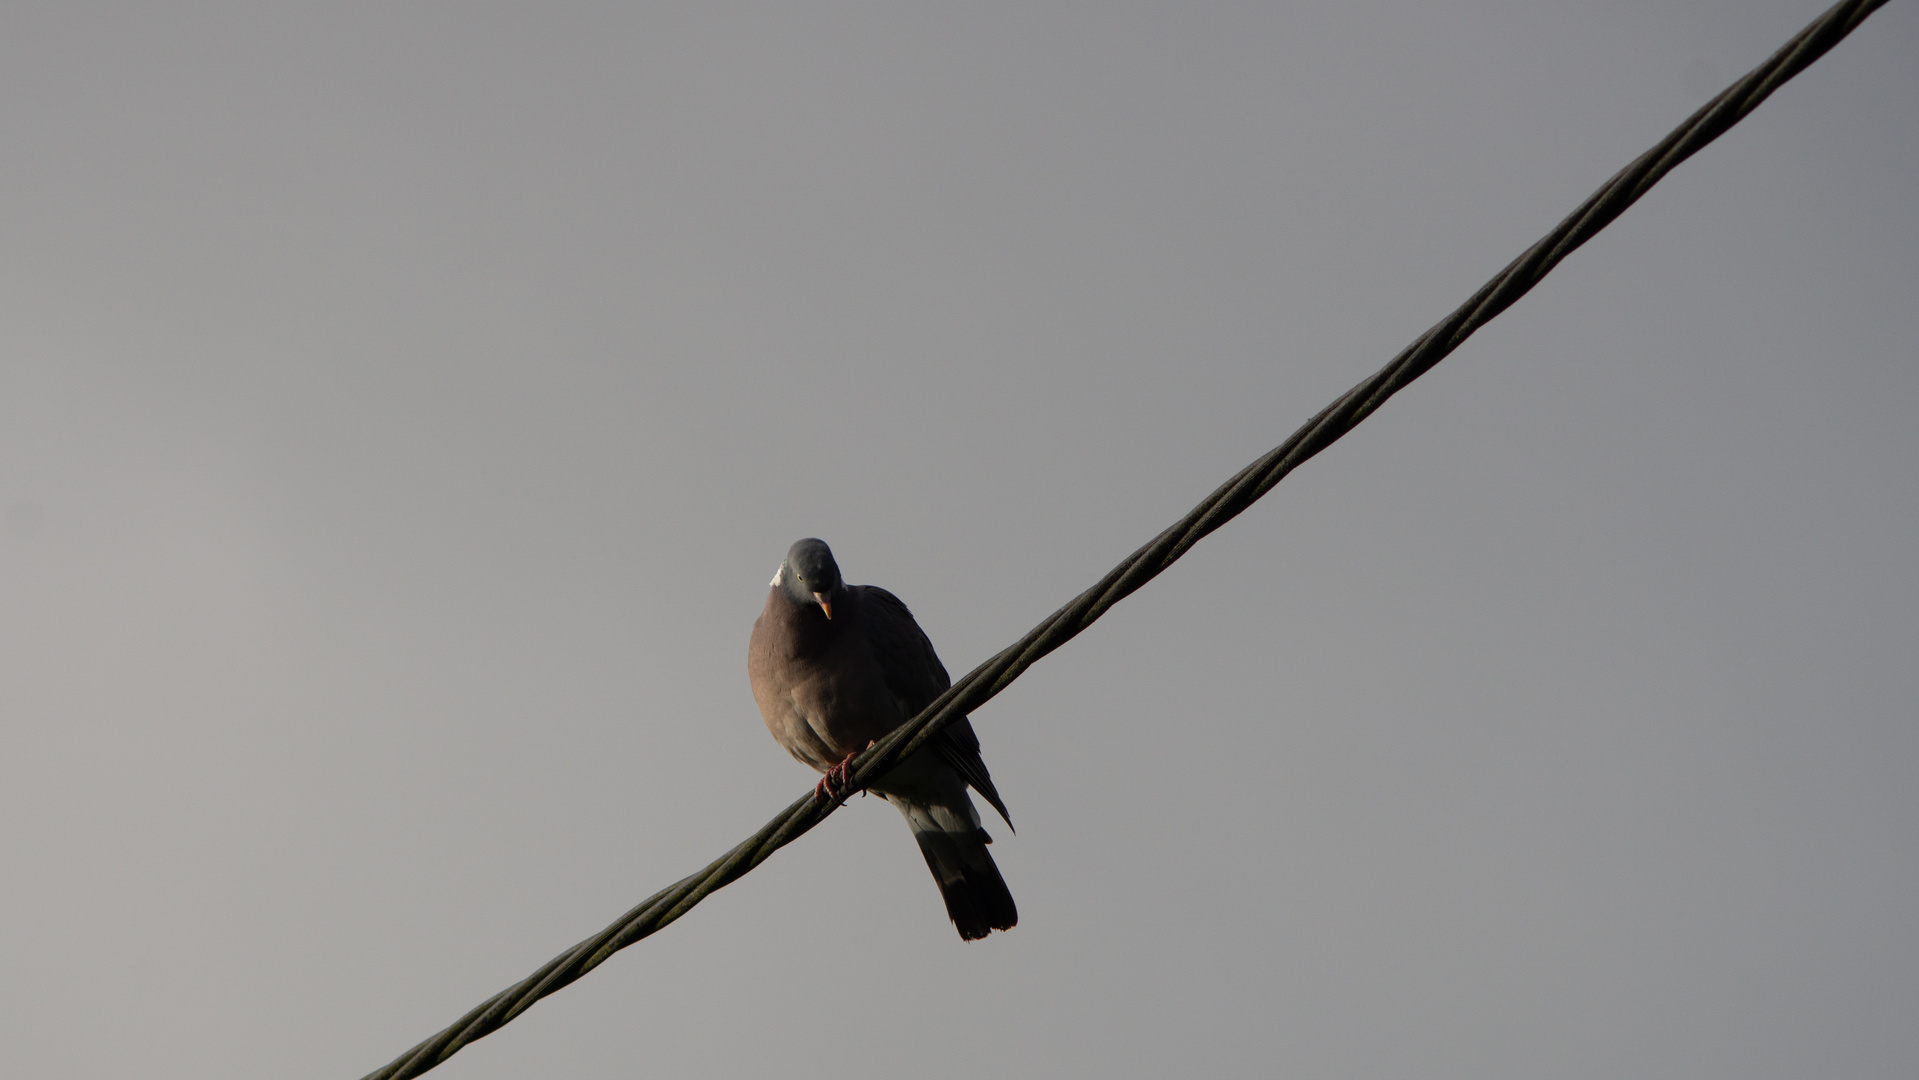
{"type": "Point", "coordinates": [777, 575]}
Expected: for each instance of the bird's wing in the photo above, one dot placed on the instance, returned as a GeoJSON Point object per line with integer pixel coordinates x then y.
{"type": "Point", "coordinates": [959, 747]}
{"type": "Point", "coordinates": [915, 676]}
{"type": "Point", "coordinates": [913, 670]}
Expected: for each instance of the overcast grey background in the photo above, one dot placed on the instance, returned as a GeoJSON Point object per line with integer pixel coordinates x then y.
{"type": "Point", "coordinates": [403, 407]}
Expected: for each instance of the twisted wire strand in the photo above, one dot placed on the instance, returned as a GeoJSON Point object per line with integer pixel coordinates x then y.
{"type": "Point", "coordinates": [1246, 487]}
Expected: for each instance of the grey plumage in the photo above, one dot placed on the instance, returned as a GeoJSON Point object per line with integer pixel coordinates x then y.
{"type": "Point", "coordinates": [835, 666]}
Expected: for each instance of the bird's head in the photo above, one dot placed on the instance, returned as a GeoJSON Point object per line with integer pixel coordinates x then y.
{"type": "Point", "coordinates": [809, 575]}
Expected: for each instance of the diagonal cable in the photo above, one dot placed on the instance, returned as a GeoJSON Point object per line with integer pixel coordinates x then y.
{"type": "Point", "coordinates": [1711, 121]}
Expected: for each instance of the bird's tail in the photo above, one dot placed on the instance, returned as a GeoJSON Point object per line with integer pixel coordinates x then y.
{"type": "Point", "coordinates": [976, 896]}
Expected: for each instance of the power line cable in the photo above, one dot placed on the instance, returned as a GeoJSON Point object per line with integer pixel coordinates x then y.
{"type": "Point", "coordinates": [980, 685]}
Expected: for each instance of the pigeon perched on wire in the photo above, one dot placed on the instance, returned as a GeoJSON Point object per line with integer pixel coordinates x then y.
{"type": "Point", "coordinates": [834, 667]}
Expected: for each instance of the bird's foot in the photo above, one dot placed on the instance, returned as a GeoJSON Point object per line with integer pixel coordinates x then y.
{"type": "Point", "coordinates": [833, 787]}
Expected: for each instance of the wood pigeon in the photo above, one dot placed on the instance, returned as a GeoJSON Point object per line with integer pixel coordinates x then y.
{"type": "Point", "coordinates": [834, 667]}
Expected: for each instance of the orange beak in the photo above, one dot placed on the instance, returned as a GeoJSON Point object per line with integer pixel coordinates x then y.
{"type": "Point", "coordinates": [825, 605]}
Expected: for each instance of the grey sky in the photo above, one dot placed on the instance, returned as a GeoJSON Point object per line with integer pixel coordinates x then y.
{"type": "Point", "coordinates": [402, 409]}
